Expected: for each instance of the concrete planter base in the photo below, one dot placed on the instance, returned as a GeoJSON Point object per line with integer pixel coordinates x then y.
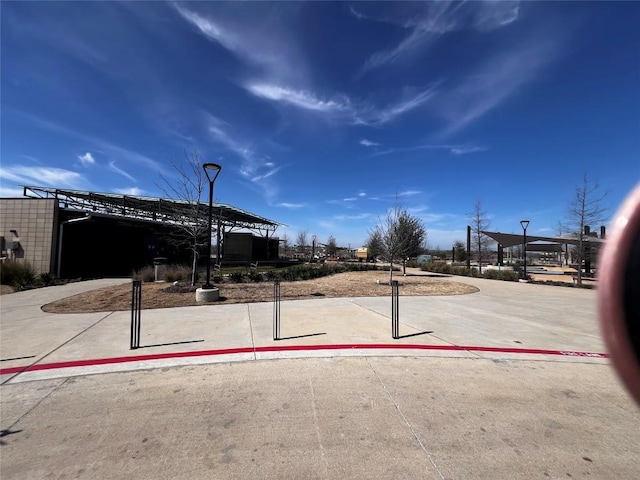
{"type": "Point", "coordinates": [207, 295]}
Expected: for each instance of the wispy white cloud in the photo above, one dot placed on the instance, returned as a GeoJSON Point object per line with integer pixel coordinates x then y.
{"type": "Point", "coordinates": [359, 216]}
{"type": "Point", "coordinates": [86, 159]}
{"type": "Point", "coordinates": [408, 193]}
{"type": "Point", "coordinates": [257, 169]}
{"type": "Point", "coordinates": [43, 176]}
{"type": "Point", "coordinates": [461, 149]}
{"type": "Point", "coordinates": [411, 99]}
{"type": "Point", "coordinates": [135, 191]}
{"type": "Point", "coordinates": [464, 149]}
{"type": "Point", "coordinates": [495, 81]}
{"type": "Point", "coordinates": [341, 106]}
{"type": "Point", "coordinates": [108, 148]}
{"type": "Point", "coordinates": [362, 194]}
{"type": "Point", "coordinates": [11, 192]}
{"type": "Point", "coordinates": [494, 14]}
{"type": "Point", "coordinates": [299, 98]}
{"type": "Point", "coordinates": [368, 143]}
{"type": "Point", "coordinates": [257, 40]}
{"type": "Point", "coordinates": [118, 170]}
{"type": "Point", "coordinates": [290, 205]}
{"type": "Point", "coordinates": [426, 23]}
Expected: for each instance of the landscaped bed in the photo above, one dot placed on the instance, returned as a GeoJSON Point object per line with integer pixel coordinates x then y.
{"type": "Point", "coordinates": [349, 284]}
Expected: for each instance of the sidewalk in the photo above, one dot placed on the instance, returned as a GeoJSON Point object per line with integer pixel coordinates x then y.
{"type": "Point", "coordinates": [502, 320]}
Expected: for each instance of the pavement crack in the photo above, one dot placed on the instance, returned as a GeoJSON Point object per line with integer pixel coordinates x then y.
{"type": "Point", "coordinates": [26, 369]}
{"type": "Point", "coordinates": [317, 425]}
{"type": "Point", "coordinates": [406, 421]}
{"type": "Point", "coordinates": [57, 387]}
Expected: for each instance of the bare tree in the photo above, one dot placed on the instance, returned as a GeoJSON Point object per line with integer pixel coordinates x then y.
{"type": "Point", "coordinates": [412, 235]}
{"type": "Point", "coordinates": [301, 241]}
{"type": "Point", "coordinates": [332, 246]}
{"type": "Point", "coordinates": [460, 251]}
{"type": "Point", "coordinates": [188, 185]}
{"type": "Point", "coordinates": [374, 244]}
{"type": "Point", "coordinates": [400, 234]}
{"type": "Point", "coordinates": [479, 223]}
{"type": "Point", "coordinates": [585, 209]}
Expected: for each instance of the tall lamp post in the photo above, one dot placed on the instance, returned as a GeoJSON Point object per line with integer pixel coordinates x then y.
{"type": "Point", "coordinates": [212, 170]}
{"type": "Point", "coordinates": [525, 224]}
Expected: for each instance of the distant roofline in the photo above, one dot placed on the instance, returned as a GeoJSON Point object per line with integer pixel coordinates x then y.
{"type": "Point", "coordinates": [161, 210]}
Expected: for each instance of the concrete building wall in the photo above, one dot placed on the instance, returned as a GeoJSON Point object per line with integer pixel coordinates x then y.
{"type": "Point", "coordinates": [238, 247]}
{"type": "Point", "coordinates": [34, 223]}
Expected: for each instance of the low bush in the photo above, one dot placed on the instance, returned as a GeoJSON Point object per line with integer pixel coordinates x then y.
{"type": "Point", "coordinates": [255, 276]}
{"type": "Point", "coordinates": [237, 277]}
{"type": "Point", "coordinates": [508, 275]}
{"type": "Point", "coordinates": [20, 275]}
{"type": "Point", "coordinates": [177, 273]}
{"type": "Point", "coordinates": [46, 279]}
{"type": "Point", "coordinates": [491, 274]}
{"type": "Point", "coordinates": [146, 274]}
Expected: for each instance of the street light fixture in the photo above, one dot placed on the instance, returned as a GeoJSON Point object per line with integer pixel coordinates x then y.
{"type": "Point", "coordinates": [212, 170]}
{"type": "Point", "coordinates": [525, 224]}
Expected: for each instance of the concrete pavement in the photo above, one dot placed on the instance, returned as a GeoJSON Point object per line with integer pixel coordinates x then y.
{"type": "Point", "coordinates": [504, 383]}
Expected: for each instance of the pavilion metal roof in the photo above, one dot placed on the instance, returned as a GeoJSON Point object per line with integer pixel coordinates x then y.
{"type": "Point", "coordinates": [161, 210]}
{"type": "Point", "coordinates": [511, 239]}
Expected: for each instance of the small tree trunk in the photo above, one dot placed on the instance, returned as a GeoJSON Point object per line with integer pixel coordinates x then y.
{"type": "Point", "coordinates": [194, 270]}
{"type": "Point", "coordinates": [404, 267]}
{"type": "Point", "coordinates": [390, 271]}
{"type": "Point", "coordinates": [580, 258]}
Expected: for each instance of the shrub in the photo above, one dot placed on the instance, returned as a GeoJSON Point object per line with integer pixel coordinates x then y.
{"type": "Point", "coordinates": [177, 273]}
{"type": "Point", "coordinates": [272, 275]}
{"type": "Point", "coordinates": [491, 274]}
{"type": "Point", "coordinates": [236, 277]}
{"type": "Point", "coordinates": [45, 279]}
{"type": "Point", "coordinates": [18, 274]}
{"type": "Point", "coordinates": [508, 275]}
{"type": "Point", "coordinates": [255, 276]}
{"type": "Point", "coordinates": [146, 274]}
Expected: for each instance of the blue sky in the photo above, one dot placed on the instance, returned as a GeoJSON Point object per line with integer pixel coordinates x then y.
{"type": "Point", "coordinates": [323, 115]}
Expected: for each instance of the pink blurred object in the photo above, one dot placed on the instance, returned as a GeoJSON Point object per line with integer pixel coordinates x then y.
{"type": "Point", "coordinates": [618, 298]}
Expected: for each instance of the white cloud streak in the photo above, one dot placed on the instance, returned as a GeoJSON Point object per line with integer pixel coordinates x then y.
{"type": "Point", "coordinates": [291, 205]}
{"type": "Point", "coordinates": [11, 192]}
{"type": "Point", "coordinates": [43, 176]}
{"type": "Point", "coordinates": [108, 148]}
{"type": "Point", "coordinates": [135, 191]}
{"type": "Point", "coordinates": [435, 19]}
{"type": "Point", "coordinates": [248, 39]}
{"type": "Point", "coordinates": [462, 149]}
{"type": "Point", "coordinates": [115, 168]}
{"type": "Point", "coordinates": [340, 106]}
{"type": "Point", "coordinates": [368, 143]}
{"type": "Point", "coordinates": [257, 169]}
{"type": "Point", "coordinates": [87, 159]}
{"type": "Point", "coordinates": [298, 98]}
{"type": "Point", "coordinates": [494, 82]}
{"type": "Point", "coordinates": [359, 216]}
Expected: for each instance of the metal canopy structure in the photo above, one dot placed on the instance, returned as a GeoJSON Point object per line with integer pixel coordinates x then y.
{"type": "Point", "coordinates": [160, 210]}
{"type": "Point", "coordinates": [510, 239]}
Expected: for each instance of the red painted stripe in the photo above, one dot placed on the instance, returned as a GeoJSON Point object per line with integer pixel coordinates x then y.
{"type": "Point", "coordinates": [285, 348]}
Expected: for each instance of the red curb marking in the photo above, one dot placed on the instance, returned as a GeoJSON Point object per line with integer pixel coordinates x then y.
{"type": "Point", "coordinates": [285, 348]}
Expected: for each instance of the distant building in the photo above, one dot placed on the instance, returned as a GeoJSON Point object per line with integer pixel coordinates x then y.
{"type": "Point", "coordinates": [73, 233]}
